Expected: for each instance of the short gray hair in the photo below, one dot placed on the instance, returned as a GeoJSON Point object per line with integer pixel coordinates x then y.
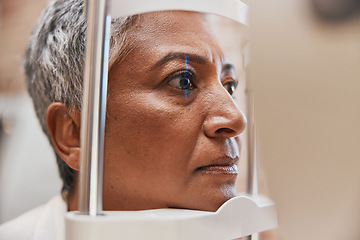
{"type": "Point", "coordinates": [54, 62]}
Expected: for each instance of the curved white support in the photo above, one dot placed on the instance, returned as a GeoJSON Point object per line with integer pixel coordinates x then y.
{"type": "Point", "coordinates": [233, 9]}
{"type": "Point", "coordinates": [238, 217]}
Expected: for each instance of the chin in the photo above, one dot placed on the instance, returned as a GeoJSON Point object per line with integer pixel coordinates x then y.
{"type": "Point", "coordinates": [222, 199]}
{"type": "Point", "coordinates": [213, 200]}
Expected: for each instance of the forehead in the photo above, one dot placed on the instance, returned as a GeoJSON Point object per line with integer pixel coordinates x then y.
{"type": "Point", "coordinates": [169, 21]}
{"type": "Point", "coordinates": [161, 31]}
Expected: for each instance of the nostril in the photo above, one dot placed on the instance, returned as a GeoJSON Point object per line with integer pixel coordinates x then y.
{"type": "Point", "coordinates": [229, 126]}
{"type": "Point", "coordinates": [224, 130]}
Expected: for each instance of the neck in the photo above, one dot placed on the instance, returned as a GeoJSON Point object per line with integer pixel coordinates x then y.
{"type": "Point", "coordinates": [73, 197]}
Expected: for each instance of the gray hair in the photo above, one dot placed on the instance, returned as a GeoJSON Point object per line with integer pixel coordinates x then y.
{"type": "Point", "coordinates": [54, 62]}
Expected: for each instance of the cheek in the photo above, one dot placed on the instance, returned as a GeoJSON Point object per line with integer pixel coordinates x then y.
{"type": "Point", "coordinates": [151, 132]}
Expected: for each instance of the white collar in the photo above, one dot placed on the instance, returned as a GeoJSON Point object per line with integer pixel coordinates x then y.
{"type": "Point", "coordinates": [51, 224]}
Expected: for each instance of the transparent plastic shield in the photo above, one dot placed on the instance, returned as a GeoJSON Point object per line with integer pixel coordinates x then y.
{"type": "Point", "coordinates": [232, 38]}
{"type": "Point", "coordinates": [175, 110]}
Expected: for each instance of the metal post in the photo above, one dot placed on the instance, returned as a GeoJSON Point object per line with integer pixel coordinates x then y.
{"type": "Point", "coordinates": [94, 107]}
{"type": "Point", "coordinates": [252, 177]}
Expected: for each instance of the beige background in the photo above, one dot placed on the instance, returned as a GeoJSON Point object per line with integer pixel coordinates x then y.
{"type": "Point", "coordinates": [16, 22]}
{"type": "Point", "coordinates": [28, 172]}
{"type": "Point", "coordinates": [306, 75]}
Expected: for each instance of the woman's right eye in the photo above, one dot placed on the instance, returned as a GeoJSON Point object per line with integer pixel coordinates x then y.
{"type": "Point", "coordinates": [182, 80]}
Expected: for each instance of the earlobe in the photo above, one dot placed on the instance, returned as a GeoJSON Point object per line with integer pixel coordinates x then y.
{"type": "Point", "coordinates": [64, 128]}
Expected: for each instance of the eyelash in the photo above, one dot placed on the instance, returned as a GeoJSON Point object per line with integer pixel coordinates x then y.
{"type": "Point", "coordinates": [188, 74]}
{"type": "Point", "coordinates": [188, 78]}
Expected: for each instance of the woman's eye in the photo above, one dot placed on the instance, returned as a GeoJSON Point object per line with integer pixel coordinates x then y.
{"type": "Point", "coordinates": [230, 86]}
{"type": "Point", "coordinates": [182, 80]}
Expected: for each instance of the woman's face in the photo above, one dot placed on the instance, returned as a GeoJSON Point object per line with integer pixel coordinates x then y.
{"type": "Point", "coordinates": [172, 124]}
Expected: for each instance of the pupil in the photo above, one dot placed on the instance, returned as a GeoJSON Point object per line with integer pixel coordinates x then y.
{"type": "Point", "coordinates": [232, 89]}
{"type": "Point", "coordinates": [184, 82]}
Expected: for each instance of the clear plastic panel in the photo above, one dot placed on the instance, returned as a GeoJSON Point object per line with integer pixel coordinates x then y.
{"type": "Point", "coordinates": [174, 119]}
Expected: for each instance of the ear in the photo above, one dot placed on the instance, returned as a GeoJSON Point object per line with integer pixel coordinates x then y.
{"type": "Point", "coordinates": [64, 128]}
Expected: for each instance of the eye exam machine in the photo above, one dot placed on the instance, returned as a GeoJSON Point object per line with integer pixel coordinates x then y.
{"type": "Point", "coordinates": [242, 216]}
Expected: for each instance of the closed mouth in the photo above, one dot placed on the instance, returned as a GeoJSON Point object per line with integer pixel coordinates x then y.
{"type": "Point", "coordinates": [230, 169]}
{"type": "Point", "coordinates": [223, 165]}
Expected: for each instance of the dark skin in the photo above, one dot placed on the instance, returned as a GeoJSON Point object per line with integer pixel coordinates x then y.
{"type": "Point", "coordinates": [172, 126]}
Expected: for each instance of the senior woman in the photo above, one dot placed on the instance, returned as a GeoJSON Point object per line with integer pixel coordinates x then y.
{"type": "Point", "coordinates": [172, 126]}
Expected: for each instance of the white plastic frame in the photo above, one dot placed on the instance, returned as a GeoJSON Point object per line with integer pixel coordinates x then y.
{"type": "Point", "coordinates": [233, 9]}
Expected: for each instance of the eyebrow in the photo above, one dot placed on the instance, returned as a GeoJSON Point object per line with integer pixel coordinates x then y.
{"type": "Point", "coordinates": [228, 67]}
{"type": "Point", "coordinates": [180, 55]}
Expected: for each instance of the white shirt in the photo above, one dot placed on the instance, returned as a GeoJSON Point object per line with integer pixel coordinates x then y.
{"type": "Point", "coordinates": [46, 222]}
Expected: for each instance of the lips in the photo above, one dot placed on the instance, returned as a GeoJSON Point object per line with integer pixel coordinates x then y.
{"type": "Point", "coordinates": [224, 165]}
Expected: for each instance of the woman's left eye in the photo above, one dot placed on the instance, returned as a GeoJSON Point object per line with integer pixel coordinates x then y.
{"type": "Point", "coordinates": [182, 80]}
{"type": "Point", "coordinates": [230, 86]}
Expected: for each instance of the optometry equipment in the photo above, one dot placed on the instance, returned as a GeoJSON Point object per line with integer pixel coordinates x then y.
{"type": "Point", "coordinates": [241, 216]}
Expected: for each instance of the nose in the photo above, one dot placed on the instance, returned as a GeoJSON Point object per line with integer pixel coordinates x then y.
{"type": "Point", "coordinates": [224, 120]}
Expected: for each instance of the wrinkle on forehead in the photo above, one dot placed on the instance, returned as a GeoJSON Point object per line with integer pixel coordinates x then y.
{"type": "Point", "coordinates": [170, 22]}
{"type": "Point", "coordinates": [160, 32]}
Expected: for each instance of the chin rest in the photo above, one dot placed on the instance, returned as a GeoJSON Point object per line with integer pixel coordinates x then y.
{"type": "Point", "coordinates": [238, 217]}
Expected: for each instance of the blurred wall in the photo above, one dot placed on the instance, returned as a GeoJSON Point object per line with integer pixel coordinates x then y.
{"type": "Point", "coordinates": [306, 74]}
{"type": "Point", "coordinates": [16, 22]}
{"type": "Point", "coordinates": [28, 171]}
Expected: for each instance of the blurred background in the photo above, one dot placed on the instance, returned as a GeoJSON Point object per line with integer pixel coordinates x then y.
{"type": "Point", "coordinates": [28, 171]}
{"type": "Point", "coordinates": [305, 70]}
{"type": "Point", "coordinates": [305, 67]}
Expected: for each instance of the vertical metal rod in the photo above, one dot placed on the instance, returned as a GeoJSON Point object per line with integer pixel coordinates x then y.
{"type": "Point", "coordinates": [94, 107]}
{"type": "Point", "coordinates": [252, 177]}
